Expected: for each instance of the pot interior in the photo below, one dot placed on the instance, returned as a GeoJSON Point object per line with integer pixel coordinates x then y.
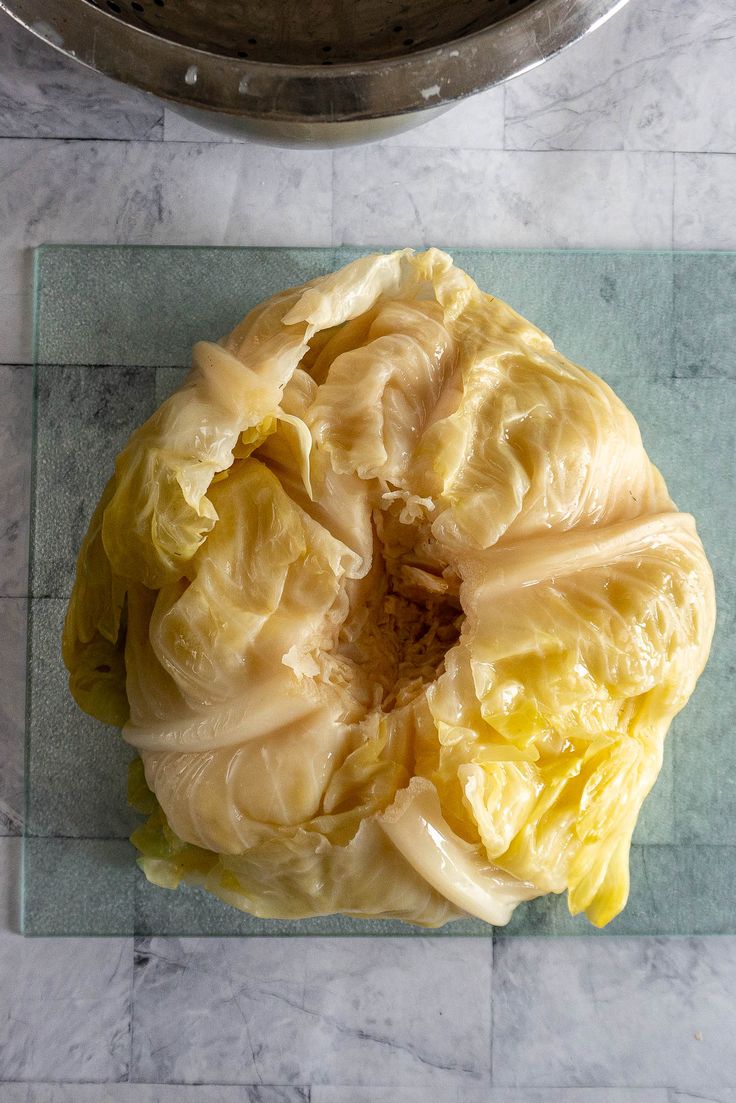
{"type": "Point", "coordinates": [309, 32]}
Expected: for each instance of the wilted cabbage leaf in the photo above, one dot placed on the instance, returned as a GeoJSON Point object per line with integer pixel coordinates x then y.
{"type": "Point", "coordinates": [394, 607]}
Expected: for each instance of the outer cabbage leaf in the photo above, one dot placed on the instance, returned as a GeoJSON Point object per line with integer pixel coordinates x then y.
{"type": "Point", "coordinates": [579, 656]}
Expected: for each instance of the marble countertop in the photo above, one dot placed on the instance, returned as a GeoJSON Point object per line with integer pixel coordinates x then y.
{"type": "Point", "coordinates": [627, 139]}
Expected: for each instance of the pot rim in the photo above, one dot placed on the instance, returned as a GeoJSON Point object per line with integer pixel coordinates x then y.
{"type": "Point", "coordinates": [340, 92]}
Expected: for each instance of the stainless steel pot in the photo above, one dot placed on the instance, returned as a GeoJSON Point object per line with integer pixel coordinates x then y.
{"type": "Point", "coordinates": [311, 72]}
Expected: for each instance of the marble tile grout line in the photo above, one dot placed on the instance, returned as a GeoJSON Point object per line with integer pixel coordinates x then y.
{"type": "Point", "coordinates": [677, 161]}
{"type": "Point", "coordinates": [672, 217]}
{"type": "Point", "coordinates": [332, 198]}
{"type": "Point", "coordinates": [131, 1005]}
{"type": "Point", "coordinates": [492, 1010]}
{"type": "Point", "coordinates": [396, 143]}
{"type": "Point", "coordinates": [504, 98]}
{"type": "Point", "coordinates": [69, 139]}
{"type": "Point", "coordinates": [490, 151]}
{"type": "Point", "coordinates": [135, 942]}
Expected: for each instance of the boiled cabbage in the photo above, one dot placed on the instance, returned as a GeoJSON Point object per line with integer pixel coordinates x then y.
{"type": "Point", "coordinates": [394, 608]}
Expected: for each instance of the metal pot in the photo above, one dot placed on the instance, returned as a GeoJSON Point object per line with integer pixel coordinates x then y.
{"type": "Point", "coordinates": [311, 72]}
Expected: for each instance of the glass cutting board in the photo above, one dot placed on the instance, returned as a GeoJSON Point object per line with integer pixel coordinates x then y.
{"type": "Point", "coordinates": [114, 329]}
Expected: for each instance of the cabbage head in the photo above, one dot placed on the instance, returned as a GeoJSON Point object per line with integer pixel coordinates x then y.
{"type": "Point", "coordinates": [394, 608]}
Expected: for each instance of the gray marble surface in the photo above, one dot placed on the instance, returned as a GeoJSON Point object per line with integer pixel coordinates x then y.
{"type": "Point", "coordinates": [626, 139]}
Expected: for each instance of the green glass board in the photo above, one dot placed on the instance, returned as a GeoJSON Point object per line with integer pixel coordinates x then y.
{"type": "Point", "coordinates": [114, 329]}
